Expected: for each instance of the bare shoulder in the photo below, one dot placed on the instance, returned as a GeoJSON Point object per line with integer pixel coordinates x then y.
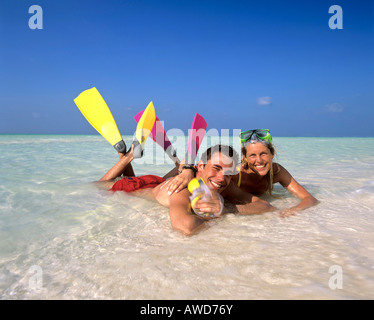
{"type": "Point", "coordinates": [277, 168]}
{"type": "Point", "coordinates": [182, 197]}
{"type": "Point", "coordinates": [281, 175]}
{"type": "Point", "coordinates": [162, 195]}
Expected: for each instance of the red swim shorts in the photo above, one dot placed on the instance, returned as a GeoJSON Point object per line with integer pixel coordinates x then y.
{"type": "Point", "coordinates": [130, 184]}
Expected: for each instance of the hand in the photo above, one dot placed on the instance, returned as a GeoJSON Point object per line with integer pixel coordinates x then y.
{"type": "Point", "coordinates": [179, 182]}
{"type": "Point", "coordinates": [284, 213]}
{"type": "Point", "coordinates": [212, 206]}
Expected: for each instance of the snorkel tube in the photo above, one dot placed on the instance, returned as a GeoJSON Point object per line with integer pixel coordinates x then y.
{"type": "Point", "coordinates": [200, 191]}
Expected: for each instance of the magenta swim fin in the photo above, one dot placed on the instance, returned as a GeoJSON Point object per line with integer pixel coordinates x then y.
{"type": "Point", "coordinates": [195, 137]}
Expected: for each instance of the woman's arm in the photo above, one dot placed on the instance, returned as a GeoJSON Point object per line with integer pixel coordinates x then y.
{"type": "Point", "coordinates": [181, 178]}
{"type": "Point", "coordinates": [287, 181]}
{"type": "Point", "coordinates": [245, 203]}
{"type": "Point", "coordinates": [179, 182]}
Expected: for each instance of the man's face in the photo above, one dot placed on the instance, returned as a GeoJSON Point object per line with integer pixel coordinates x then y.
{"type": "Point", "coordinates": [217, 172]}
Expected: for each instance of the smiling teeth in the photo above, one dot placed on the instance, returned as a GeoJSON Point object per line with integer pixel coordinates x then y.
{"type": "Point", "coordinates": [263, 166]}
{"type": "Point", "coordinates": [215, 184]}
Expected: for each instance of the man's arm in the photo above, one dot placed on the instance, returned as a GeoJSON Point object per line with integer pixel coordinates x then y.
{"type": "Point", "coordinates": [245, 202]}
{"type": "Point", "coordinates": [181, 217]}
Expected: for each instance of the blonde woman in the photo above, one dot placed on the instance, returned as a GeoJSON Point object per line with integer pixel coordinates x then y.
{"type": "Point", "coordinates": [258, 172]}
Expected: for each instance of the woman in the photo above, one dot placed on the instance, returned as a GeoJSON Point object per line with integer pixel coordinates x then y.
{"type": "Point", "coordinates": [258, 172]}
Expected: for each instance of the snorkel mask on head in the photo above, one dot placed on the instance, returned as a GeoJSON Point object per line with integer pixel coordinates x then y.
{"type": "Point", "coordinates": [255, 135]}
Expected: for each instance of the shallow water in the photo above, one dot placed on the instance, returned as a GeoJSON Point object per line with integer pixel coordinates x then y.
{"type": "Point", "coordinates": [87, 243]}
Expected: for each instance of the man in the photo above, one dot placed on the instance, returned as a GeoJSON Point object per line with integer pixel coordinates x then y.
{"type": "Point", "coordinates": [216, 167]}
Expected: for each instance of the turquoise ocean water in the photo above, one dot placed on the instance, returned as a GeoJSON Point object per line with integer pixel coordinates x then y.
{"type": "Point", "coordinates": [63, 238]}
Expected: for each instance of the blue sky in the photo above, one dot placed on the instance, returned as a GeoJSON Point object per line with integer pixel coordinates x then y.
{"type": "Point", "coordinates": [241, 64]}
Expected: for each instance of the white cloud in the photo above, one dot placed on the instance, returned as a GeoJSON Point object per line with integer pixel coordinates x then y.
{"type": "Point", "coordinates": [333, 107]}
{"type": "Point", "coordinates": [264, 101]}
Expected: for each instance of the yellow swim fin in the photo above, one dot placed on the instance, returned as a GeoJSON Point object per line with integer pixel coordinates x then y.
{"type": "Point", "coordinates": [97, 113]}
{"type": "Point", "coordinates": [143, 130]}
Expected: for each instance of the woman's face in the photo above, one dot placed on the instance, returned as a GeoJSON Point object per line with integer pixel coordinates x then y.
{"type": "Point", "coordinates": [259, 158]}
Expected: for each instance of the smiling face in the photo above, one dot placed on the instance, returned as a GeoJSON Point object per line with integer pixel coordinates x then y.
{"type": "Point", "coordinates": [217, 172]}
{"type": "Point", "coordinates": [259, 158]}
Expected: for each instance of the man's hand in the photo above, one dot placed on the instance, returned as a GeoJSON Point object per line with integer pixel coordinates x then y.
{"type": "Point", "coordinates": [212, 206]}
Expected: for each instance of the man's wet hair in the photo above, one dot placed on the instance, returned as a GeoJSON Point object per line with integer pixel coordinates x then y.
{"type": "Point", "coordinates": [226, 150]}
